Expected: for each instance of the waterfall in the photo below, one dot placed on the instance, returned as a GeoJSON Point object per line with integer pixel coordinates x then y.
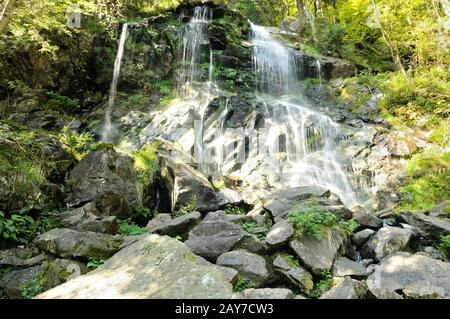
{"type": "Point", "coordinates": [109, 131]}
{"type": "Point", "coordinates": [319, 70]}
{"type": "Point", "coordinates": [308, 138]}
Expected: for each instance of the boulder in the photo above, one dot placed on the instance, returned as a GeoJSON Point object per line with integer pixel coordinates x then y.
{"type": "Point", "coordinates": [367, 220]}
{"type": "Point", "coordinates": [318, 255]}
{"type": "Point", "coordinates": [107, 179]}
{"type": "Point", "coordinates": [178, 226]}
{"type": "Point", "coordinates": [156, 267]}
{"type": "Point", "coordinates": [88, 218]}
{"type": "Point", "coordinates": [21, 257]}
{"type": "Point", "coordinates": [413, 275]}
{"type": "Point", "coordinates": [386, 241]}
{"type": "Point", "coordinates": [59, 271]}
{"type": "Point", "coordinates": [249, 265]}
{"type": "Point", "coordinates": [345, 288]}
{"type": "Point", "coordinates": [268, 293]}
{"type": "Point", "coordinates": [441, 210]}
{"type": "Point", "coordinates": [361, 237]}
{"type": "Point", "coordinates": [280, 234]}
{"type": "Point", "coordinates": [159, 220]}
{"type": "Point", "coordinates": [293, 274]}
{"type": "Point", "coordinates": [345, 267]}
{"type": "Point", "coordinates": [14, 282]}
{"type": "Point", "coordinates": [68, 243]}
{"type": "Point", "coordinates": [429, 226]}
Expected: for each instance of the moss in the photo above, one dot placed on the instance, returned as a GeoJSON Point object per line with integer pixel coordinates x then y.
{"type": "Point", "coordinates": [146, 163]}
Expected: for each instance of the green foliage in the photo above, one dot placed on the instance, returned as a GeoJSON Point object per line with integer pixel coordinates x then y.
{"type": "Point", "coordinates": [242, 284]}
{"type": "Point", "coordinates": [234, 210]}
{"type": "Point", "coordinates": [146, 162]}
{"type": "Point", "coordinates": [349, 226]}
{"type": "Point", "coordinates": [292, 261]}
{"type": "Point", "coordinates": [64, 102]}
{"type": "Point", "coordinates": [128, 228]}
{"type": "Point", "coordinates": [444, 245]}
{"type": "Point", "coordinates": [312, 221]}
{"type": "Point", "coordinates": [76, 144]}
{"type": "Point", "coordinates": [32, 288]}
{"type": "Point", "coordinates": [252, 228]}
{"type": "Point", "coordinates": [323, 285]}
{"type": "Point", "coordinates": [188, 208]}
{"type": "Point", "coordinates": [16, 228]}
{"type": "Point", "coordinates": [218, 184]}
{"type": "Point", "coordinates": [94, 263]}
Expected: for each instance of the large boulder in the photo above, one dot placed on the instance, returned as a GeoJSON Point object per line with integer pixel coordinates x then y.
{"type": "Point", "coordinates": [184, 185]}
{"type": "Point", "coordinates": [429, 226]}
{"type": "Point", "coordinates": [280, 234]}
{"type": "Point", "coordinates": [15, 282]}
{"type": "Point", "coordinates": [249, 265]}
{"type": "Point", "coordinates": [178, 226]}
{"type": "Point", "coordinates": [319, 255]}
{"type": "Point", "coordinates": [156, 267]}
{"type": "Point", "coordinates": [109, 180]}
{"type": "Point", "coordinates": [68, 243]}
{"type": "Point", "coordinates": [214, 236]}
{"type": "Point", "coordinates": [386, 241]}
{"type": "Point", "coordinates": [345, 288]}
{"type": "Point", "coordinates": [361, 237]}
{"type": "Point", "coordinates": [413, 276]}
{"type": "Point", "coordinates": [441, 210]}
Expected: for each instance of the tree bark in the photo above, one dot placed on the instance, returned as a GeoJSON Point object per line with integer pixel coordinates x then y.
{"type": "Point", "coordinates": [301, 9]}
{"type": "Point", "coordinates": [6, 15]}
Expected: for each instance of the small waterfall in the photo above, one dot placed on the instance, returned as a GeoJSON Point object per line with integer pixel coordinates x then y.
{"type": "Point", "coordinates": [109, 131]}
{"type": "Point", "coordinates": [319, 70]}
{"type": "Point", "coordinates": [307, 138]}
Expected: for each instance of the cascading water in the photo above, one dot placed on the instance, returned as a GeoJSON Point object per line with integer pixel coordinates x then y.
{"type": "Point", "coordinates": [307, 137]}
{"type": "Point", "coordinates": [109, 131]}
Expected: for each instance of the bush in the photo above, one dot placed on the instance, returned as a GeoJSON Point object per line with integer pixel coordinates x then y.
{"type": "Point", "coordinates": [188, 208]}
{"type": "Point", "coordinates": [242, 284]}
{"type": "Point", "coordinates": [17, 228]}
{"type": "Point", "coordinates": [76, 144]}
{"type": "Point", "coordinates": [128, 228]}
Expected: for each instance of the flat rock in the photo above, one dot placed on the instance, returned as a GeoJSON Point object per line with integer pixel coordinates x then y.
{"type": "Point", "coordinates": [345, 267]}
{"type": "Point", "coordinates": [386, 241]}
{"type": "Point", "coordinates": [160, 219]}
{"type": "Point", "coordinates": [344, 289]}
{"type": "Point", "coordinates": [69, 243]}
{"type": "Point", "coordinates": [249, 265]}
{"type": "Point", "coordinates": [280, 234]}
{"type": "Point", "coordinates": [361, 237]}
{"type": "Point", "coordinates": [21, 257]}
{"type": "Point", "coordinates": [429, 226]}
{"type": "Point", "coordinates": [178, 226]}
{"type": "Point", "coordinates": [14, 281]}
{"type": "Point", "coordinates": [268, 293]}
{"type": "Point", "coordinates": [417, 274]}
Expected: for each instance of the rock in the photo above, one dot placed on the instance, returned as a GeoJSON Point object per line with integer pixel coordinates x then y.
{"type": "Point", "coordinates": [429, 226]}
{"type": "Point", "coordinates": [258, 214]}
{"type": "Point", "coordinates": [107, 179]}
{"type": "Point", "coordinates": [417, 274]}
{"type": "Point", "coordinates": [88, 218]}
{"type": "Point", "coordinates": [156, 267]}
{"type": "Point", "coordinates": [59, 271]}
{"type": "Point", "coordinates": [107, 225]}
{"type": "Point", "coordinates": [159, 220]}
{"type": "Point", "coordinates": [386, 241]}
{"type": "Point", "coordinates": [344, 289]}
{"type": "Point", "coordinates": [14, 282]}
{"type": "Point", "coordinates": [214, 236]}
{"type": "Point", "coordinates": [182, 182]}
{"type": "Point", "coordinates": [441, 210]}
{"type": "Point", "coordinates": [268, 293]}
{"type": "Point", "coordinates": [318, 255]}
{"type": "Point", "coordinates": [21, 257]}
{"type": "Point", "coordinates": [356, 123]}
{"type": "Point", "coordinates": [69, 243]}
{"type": "Point", "coordinates": [178, 226]}
{"type": "Point", "coordinates": [252, 244]}
{"type": "Point", "coordinates": [361, 237]}
{"type": "Point", "coordinates": [217, 37]}
{"type": "Point", "coordinates": [293, 274]}
{"type": "Point", "coordinates": [345, 267]}
{"type": "Point", "coordinates": [367, 219]}
{"type": "Point", "coordinates": [280, 234]}
{"type": "Point", "coordinates": [249, 265]}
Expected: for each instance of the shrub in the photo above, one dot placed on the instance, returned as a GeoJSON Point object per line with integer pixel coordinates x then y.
{"type": "Point", "coordinates": [242, 284]}
{"type": "Point", "coordinates": [323, 285]}
{"type": "Point", "coordinates": [94, 262]}
{"type": "Point", "coordinates": [77, 144]}
{"type": "Point", "coordinates": [444, 245]}
{"type": "Point", "coordinates": [128, 228]}
{"type": "Point", "coordinates": [16, 228]}
{"type": "Point", "coordinates": [188, 208]}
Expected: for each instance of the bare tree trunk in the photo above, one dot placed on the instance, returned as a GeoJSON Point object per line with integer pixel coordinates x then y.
{"type": "Point", "coordinates": [6, 15]}
{"type": "Point", "coordinates": [301, 9]}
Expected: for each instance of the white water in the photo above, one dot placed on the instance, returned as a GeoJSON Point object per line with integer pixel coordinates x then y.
{"type": "Point", "coordinates": [109, 131]}
{"type": "Point", "coordinates": [307, 137]}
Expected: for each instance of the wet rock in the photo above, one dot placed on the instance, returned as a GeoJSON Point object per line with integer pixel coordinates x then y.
{"type": "Point", "coordinates": [69, 243]}
{"type": "Point", "coordinates": [107, 179]}
{"type": "Point", "coordinates": [345, 267]}
{"type": "Point", "coordinates": [178, 226]}
{"type": "Point", "coordinates": [417, 274]}
{"type": "Point", "coordinates": [361, 237]}
{"type": "Point", "coordinates": [279, 235]}
{"type": "Point", "coordinates": [429, 226]}
{"type": "Point", "coordinates": [217, 37]}
{"type": "Point", "coordinates": [249, 265]}
{"type": "Point", "coordinates": [146, 270]}
{"type": "Point", "coordinates": [268, 293]}
{"type": "Point", "coordinates": [318, 255]}
{"type": "Point", "coordinates": [293, 274]}
{"type": "Point", "coordinates": [386, 241]}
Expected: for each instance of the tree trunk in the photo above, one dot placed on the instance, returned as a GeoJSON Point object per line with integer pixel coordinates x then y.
{"type": "Point", "coordinates": [6, 15]}
{"type": "Point", "coordinates": [301, 9]}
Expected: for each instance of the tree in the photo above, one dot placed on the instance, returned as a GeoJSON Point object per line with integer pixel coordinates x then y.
{"type": "Point", "coordinates": [6, 15]}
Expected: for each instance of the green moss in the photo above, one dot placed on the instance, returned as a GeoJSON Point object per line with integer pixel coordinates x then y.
{"type": "Point", "coordinates": [146, 162]}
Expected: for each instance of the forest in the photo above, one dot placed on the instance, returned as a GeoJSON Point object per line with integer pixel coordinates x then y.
{"type": "Point", "coordinates": [285, 149]}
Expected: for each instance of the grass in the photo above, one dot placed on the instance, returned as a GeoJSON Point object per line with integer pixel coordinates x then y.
{"type": "Point", "coordinates": [234, 210]}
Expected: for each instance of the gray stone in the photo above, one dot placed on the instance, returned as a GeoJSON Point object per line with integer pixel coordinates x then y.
{"type": "Point", "coordinates": [344, 289]}
{"type": "Point", "coordinates": [318, 255]}
{"type": "Point", "coordinates": [386, 241]}
{"type": "Point", "coordinates": [14, 282]}
{"type": "Point", "coordinates": [361, 237]}
{"type": "Point", "coordinates": [158, 221]}
{"type": "Point", "coordinates": [156, 267]}
{"type": "Point", "coordinates": [71, 243]}
{"type": "Point", "coordinates": [345, 267]}
{"type": "Point", "coordinates": [367, 220]}
{"type": "Point", "coordinates": [77, 216]}
{"type": "Point", "coordinates": [252, 244]}
{"type": "Point", "coordinates": [441, 210]}
{"type": "Point", "coordinates": [429, 226]}
{"type": "Point", "coordinates": [21, 257]}
{"type": "Point", "coordinates": [249, 265]}
{"type": "Point", "coordinates": [293, 274]}
{"type": "Point", "coordinates": [107, 179]}
{"type": "Point", "coordinates": [59, 271]}
{"type": "Point", "coordinates": [419, 275]}
{"type": "Point", "coordinates": [108, 225]}
{"type": "Point", "coordinates": [268, 293]}
{"type": "Point", "coordinates": [178, 226]}
{"type": "Point", "coordinates": [279, 235]}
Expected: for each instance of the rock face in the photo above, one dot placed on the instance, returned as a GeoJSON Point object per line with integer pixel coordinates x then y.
{"type": "Point", "coordinates": [268, 293]}
{"type": "Point", "coordinates": [386, 241]}
{"type": "Point", "coordinates": [154, 267]}
{"type": "Point", "coordinates": [318, 255]}
{"type": "Point", "coordinates": [70, 243]}
{"type": "Point", "coordinates": [178, 226]}
{"type": "Point", "coordinates": [429, 226]}
{"type": "Point", "coordinates": [250, 265]}
{"type": "Point", "coordinates": [414, 275]}
{"type": "Point", "coordinates": [345, 267]}
{"type": "Point", "coordinates": [182, 182]}
{"type": "Point", "coordinates": [280, 234]}
{"type": "Point", "coordinates": [107, 179]}
{"type": "Point", "coordinates": [214, 236]}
